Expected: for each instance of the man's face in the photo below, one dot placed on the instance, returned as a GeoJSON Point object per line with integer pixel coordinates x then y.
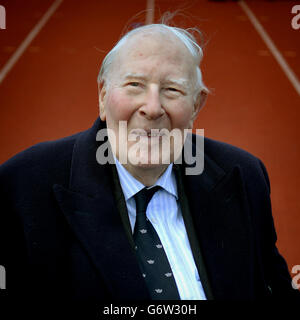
{"type": "Point", "coordinates": [151, 86]}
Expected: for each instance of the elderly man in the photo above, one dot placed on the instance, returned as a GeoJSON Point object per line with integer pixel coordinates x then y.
{"type": "Point", "coordinates": [77, 226]}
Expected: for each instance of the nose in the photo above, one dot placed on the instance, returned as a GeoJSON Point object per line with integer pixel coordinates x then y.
{"type": "Point", "coordinates": [152, 107]}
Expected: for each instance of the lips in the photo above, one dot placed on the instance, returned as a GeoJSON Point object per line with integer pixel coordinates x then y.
{"type": "Point", "coordinates": [147, 132]}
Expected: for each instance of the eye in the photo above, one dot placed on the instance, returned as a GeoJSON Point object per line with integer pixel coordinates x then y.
{"type": "Point", "coordinates": [134, 84]}
{"type": "Point", "coordinates": [173, 91]}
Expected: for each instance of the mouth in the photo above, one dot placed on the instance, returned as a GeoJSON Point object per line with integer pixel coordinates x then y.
{"type": "Point", "coordinates": [150, 133]}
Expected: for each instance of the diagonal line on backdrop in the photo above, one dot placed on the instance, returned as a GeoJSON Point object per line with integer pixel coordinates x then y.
{"type": "Point", "coordinates": [271, 46]}
{"type": "Point", "coordinates": [26, 42]}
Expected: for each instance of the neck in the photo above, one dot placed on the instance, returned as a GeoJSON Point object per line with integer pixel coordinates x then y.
{"type": "Point", "coordinates": [146, 175]}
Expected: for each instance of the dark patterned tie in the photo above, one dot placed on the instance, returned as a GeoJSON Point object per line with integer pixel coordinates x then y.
{"type": "Point", "coordinates": [151, 255]}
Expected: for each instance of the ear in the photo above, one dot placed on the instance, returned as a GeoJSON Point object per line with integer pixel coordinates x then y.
{"type": "Point", "coordinates": [199, 104]}
{"type": "Point", "coordinates": [102, 95]}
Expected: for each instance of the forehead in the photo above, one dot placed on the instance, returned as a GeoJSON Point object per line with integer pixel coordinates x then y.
{"type": "Point", "coordinates": [154, 48]}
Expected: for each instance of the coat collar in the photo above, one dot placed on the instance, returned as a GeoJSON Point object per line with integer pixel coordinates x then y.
{"type": "Point", "coordinates": [215, 199]}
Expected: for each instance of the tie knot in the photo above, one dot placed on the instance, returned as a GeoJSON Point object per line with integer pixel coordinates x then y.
{"type": "Point", "coordinates": [143, 197]}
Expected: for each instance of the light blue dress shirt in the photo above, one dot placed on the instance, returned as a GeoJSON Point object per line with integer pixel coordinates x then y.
{"type": "Point", "coordinates": [164, 213]}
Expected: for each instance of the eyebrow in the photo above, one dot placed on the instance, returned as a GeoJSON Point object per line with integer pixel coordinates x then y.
{"type": "Point", "coordinates": [135, 76]}
{"type": "Point", "coordinates": [181, 82]}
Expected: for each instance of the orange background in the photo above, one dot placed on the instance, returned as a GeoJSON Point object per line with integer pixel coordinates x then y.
{"type": "Point", "coordinates": [51, 91]}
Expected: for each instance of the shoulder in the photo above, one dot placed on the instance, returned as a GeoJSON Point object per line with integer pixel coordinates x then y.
{"type": "Point", "coordinates": [228, 156]}
{"type": "Point", "coordinates": [41, 162]}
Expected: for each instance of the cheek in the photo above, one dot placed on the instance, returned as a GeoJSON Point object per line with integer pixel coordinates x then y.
{"type": "Point", "coordinates": [180, 115]}
{"type": "Point", "coordinates": [118, 107]}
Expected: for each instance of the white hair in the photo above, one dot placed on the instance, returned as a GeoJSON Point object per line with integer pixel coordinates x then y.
{"type": "Point", "coordinates": [185, 36]}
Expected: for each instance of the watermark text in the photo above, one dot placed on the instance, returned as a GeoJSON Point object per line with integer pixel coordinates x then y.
{"type": "Point", "coordinates": [2, 278]}
{"type": "Point", "coordinates": [148, 147]}
{"type": "Point", "coordinates": [2, 17]}
{"type": "Point", "coordinates": [296, 19]}
{"type": "Point", "coordinates": [296, 278]}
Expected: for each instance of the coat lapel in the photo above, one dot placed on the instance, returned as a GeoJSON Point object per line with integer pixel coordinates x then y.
{"type": "Point", "coordinates": [219, 208]}
{"type": "Point", "coordinates": [89, 207]}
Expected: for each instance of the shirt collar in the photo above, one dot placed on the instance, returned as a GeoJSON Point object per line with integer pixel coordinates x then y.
{"type": "Point", "coordinates": [131, 186]}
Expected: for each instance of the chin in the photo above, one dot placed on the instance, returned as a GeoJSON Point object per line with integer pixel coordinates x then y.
{"type": "Point", "coordinates": [145, 161]}
{"type": "Point", "coordinates": [149, 165]}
